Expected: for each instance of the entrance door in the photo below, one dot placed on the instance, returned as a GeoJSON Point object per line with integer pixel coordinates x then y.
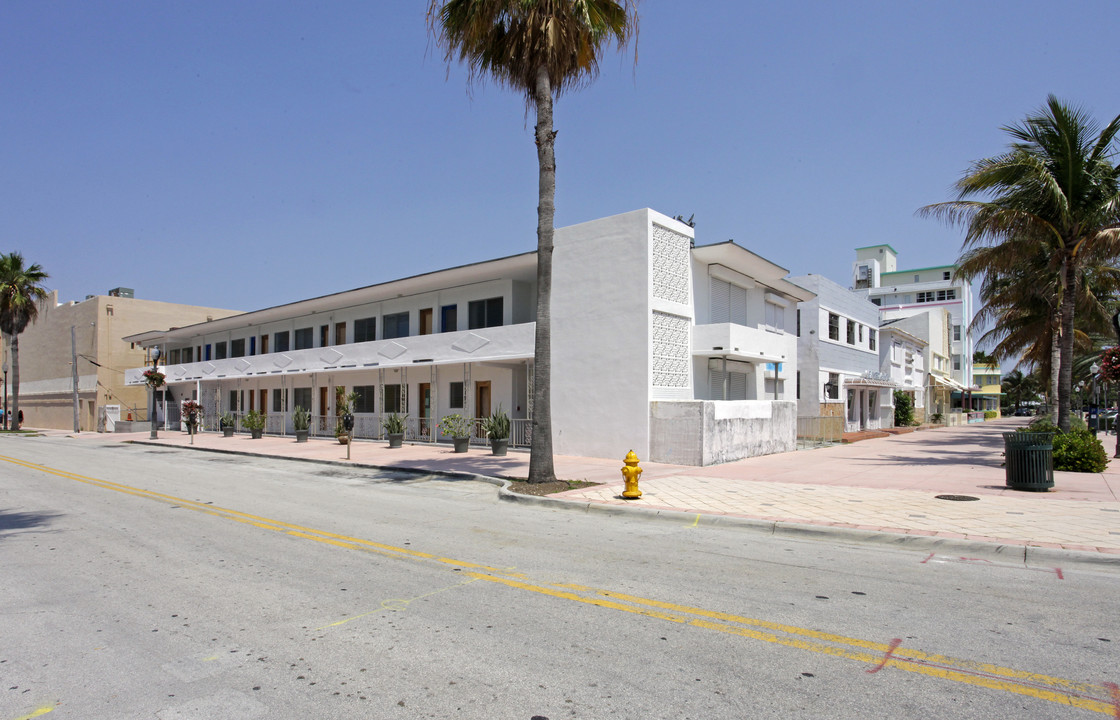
{"type": "Point", "coordinates": [426, 321]}
{"type": "Point", "coordinates": [252, 399]}
{"type": "Point", "coordinates": [482, 399]}
{"type": "Point", "coordinates": [425, 391]}
{"type": "Point", "coordinates": [322, 414]}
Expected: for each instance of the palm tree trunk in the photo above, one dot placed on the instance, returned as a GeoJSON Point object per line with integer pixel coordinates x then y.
{"type": "Point", "coordinates": [1055, 363]}
{"type": "Point", "coordinates": [13, 346]}
{"type": "Point", "coordinates": [1065, 376]}
{"type": "Point", "coordinates": [541, 468]}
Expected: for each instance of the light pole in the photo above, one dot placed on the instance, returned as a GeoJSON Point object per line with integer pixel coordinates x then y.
{"type": "Point", "coordinates": [1094, 410]}
{"type": "Point", "coordinates": [5, 394]}
{"type": "Point", "coordinates": [152, 389]}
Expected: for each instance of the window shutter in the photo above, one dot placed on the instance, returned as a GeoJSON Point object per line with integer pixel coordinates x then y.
{"type": "Point", "coordinates": [721, 302]}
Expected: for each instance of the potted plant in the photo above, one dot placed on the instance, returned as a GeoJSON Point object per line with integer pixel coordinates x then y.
{"type": "Point", "coordinates": [301, 421]}
{"type": "Point", "coordinates": [192, 415]}
{"type": "Point", "coordinates": [497, 429]}
{"type": "Point", "coordinates": [394, 428]}
{"type": "Point", "coordinates": [225, 420]}
{"type": "Point", "coordinates": [254, 422]}
{"type": "Point", "coordinates": [458, 428]}
{"type": "Point", "coordinates": [343, 410]}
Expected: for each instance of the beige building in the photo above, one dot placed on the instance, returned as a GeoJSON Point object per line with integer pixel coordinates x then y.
{"type": "Point", "coordinates": [46, 353]}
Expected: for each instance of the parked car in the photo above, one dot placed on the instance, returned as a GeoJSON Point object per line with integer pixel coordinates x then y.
{"type": "Point", "coordinates": [1024, 412]}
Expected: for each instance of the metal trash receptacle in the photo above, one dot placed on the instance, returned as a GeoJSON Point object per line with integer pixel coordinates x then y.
{"type": "Point", "coordinates": [1029, 460]}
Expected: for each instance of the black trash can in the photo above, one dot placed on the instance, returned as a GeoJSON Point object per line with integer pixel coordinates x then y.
{"type": "Point", "coordinates": [1029, 460]}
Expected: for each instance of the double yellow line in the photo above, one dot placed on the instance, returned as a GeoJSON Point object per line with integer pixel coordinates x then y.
{"type": "Point", "coordinates": [876, 656]}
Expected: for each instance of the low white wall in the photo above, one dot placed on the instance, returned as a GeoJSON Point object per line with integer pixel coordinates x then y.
{"type": "Point", "coordinates": [704, 432]}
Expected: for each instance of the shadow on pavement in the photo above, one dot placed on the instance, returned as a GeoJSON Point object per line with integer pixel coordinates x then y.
{"type": "Point", "coordinates": [11, 521]}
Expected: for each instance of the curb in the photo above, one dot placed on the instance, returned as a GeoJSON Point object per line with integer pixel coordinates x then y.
{"type": "Point", "coordinates": [1023, 554]}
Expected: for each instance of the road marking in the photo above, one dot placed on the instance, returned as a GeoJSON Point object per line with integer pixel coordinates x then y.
{"type": "Point", "coordinates": [1096, 698]}
{"type": "Point", "coordinates": [886, 658]}
{"type": "Point", "coordinates": [41, 711]}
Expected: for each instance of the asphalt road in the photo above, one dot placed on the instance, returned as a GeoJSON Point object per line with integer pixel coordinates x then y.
{"type": "Point", "coordinates": [143, 582]}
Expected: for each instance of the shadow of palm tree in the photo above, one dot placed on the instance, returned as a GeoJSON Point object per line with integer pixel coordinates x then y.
{"type": "Point", "coordinates": [11, 521]}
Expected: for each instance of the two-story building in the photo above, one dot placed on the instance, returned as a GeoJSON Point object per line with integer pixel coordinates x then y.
{"type": "Point", "coordinates": [902, 359]}
{"type": "Point", "coordinates": [838, 358]}
{"type": "Point", "coordinates": [684, 354]}
{"type": "Point", "coordinates": [934, 329]}
{"type": "Point", "coordinates": [988, 380]}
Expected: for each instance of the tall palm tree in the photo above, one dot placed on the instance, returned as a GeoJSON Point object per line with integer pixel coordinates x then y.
{"type": "Point", "coordinates": [1056, 188]}
{"type": "Point", "coordinates": [20, 293]}
{"type": "Point", "coordinates": [1019, 387]}
{"type": "Point", "coordinates": [541, 48]}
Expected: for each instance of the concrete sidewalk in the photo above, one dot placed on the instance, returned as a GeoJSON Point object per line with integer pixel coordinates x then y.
{"type": "Point", "coordinates": [882, 490]}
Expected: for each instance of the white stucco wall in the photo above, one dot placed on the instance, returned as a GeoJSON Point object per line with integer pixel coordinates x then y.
{"type": "Point", "coordinates": [600, 337]}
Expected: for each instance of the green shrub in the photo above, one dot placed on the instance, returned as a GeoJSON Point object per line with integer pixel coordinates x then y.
{"type": "Point", "coordinates": [903, 409]}
{"type": "Point", "coordinates": [1075, 451]}
{"type": "Point", "coordinates": [990, 414]}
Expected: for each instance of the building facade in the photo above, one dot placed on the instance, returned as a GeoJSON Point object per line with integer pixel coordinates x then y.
{"type": "Point", "coordinates": [72, 359]}
{"type": "Point", "coordinates": [934, 328]}
{"type": "Point", "coordinates": [838, 358]}
{"type": "Point", "coordinates": [990, 387]}
{"type": "Point", "coordinates": [902, 359]}
{"type": "Point", "coordinates": [902, 293]}
{"type": "Point", "coordinates": [683, 353]}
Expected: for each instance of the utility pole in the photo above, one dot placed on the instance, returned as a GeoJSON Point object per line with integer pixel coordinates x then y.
{"type": "Point", "coordinates": [74, 364]}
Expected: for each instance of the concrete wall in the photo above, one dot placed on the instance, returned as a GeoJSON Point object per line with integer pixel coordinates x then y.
{"type": "Point", "coordinates": [701, 432]}
{"type": "Point", "coordinates": [601, 337]}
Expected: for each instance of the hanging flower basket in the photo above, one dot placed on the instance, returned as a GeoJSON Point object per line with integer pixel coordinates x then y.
{"type": "Point", "coordinates": [154, 378]}
{"type": "Point", "coordinates": [1110, 364]}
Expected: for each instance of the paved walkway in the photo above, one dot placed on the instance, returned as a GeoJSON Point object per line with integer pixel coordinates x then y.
{"type": "Point", "coordinates": [879, 490]}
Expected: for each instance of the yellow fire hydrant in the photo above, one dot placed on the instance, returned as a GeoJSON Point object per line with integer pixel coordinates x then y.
{"type": "Point", "coordinates": [630, 473]}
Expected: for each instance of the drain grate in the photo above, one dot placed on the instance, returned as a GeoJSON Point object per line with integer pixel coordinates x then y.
{"type": "Point", "coordinates": [958, 498]}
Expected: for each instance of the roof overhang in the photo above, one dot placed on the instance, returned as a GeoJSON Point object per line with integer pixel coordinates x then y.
{"type": "Point", "coordinates": [757, 268]}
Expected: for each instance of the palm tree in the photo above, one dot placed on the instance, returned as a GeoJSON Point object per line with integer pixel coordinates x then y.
{"type": "Point", "coordinates": [20, 293]}
{"type": "Point", "coordinates": [1056, 189]}
{"type": "Point", "coordinates": [541, 48]}
{"type": "Point", "coordinates": [1019, 387]}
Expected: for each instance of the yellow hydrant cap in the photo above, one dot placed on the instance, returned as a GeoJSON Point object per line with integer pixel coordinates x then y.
{"type": "Point", "coordinates": [631, 458]}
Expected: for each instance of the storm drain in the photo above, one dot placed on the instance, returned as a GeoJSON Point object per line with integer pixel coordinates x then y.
{"type": "Point", "coordinates": [957, 498]}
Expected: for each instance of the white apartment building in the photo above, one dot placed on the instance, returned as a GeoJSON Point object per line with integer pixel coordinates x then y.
{"type": "Point", "coordinates": [902, 359]}
{"type": "Point", "coordinates": [933, 328]}
{"type": "Point", "coordinates": [838, 358]}
{"type": "Point", "coordinates": [684, 354]}
{"type": "Point", "coordinates": [902, 293]}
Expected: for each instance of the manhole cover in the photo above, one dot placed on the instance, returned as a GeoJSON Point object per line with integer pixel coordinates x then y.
{"type": "Point", "coordinates": [958, 498]}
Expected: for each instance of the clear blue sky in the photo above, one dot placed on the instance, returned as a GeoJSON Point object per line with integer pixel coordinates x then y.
{"type": "Point", "coordinates": [247, 154]}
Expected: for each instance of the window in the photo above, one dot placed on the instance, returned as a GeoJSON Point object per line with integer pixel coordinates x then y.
{"type": "Point", "coordinates": [277, 399]}
{"type": "Point", "coordinates": [393, 399]}
{"type": "Point", "coordinates": [340, 333]}
{"type": "Point", "coordinates": [207, 356]}
{"type": "Point", "coordinates": [927, 296]}
{"type": "Point", "coordinates": [851, 333]}
{"type": "Point", "coordinates": [956, 362]}
{"type": "Point", "coordinates": [188, 355]}
{"type": "Point", "coordinates": [396, 326]}
{"type": "Point", "coordinates": [426, 321]}
{"type": "Point", "coordinates": [871, 338]}
{"type": "Point", "coordinates": [174, 358]}
{"type": "Point", "coordinates": [365, 403]}
{"type": "Point", "coordinates": [833, 327]}
{"type": "Point", "coordinates": [484, 313]}
{"type": "Point", "coordinates": [220, 350]}
{"type": "Point", "coordinates": [449, 319]}
{"type": "Point", "coordinates": [365, 330]}
{"type": "Point", "coordinates": [324, 335]}
{"type": "Point", "coordinates": [946, 275]}
{"type": "Point", "coordinates": [264, 344]}
{"type": "Point", "coordinates": [916, 278]}
{"type": "Point", "coordinates": [302, 397]}
{"type": "Point", "coordinates": [282, 341]}
{"type": "Point", "coordinates": [775, 316]}
{"type": "Point", "coordinates": [232, 407]}
{"type": "Point", "coordinates": [253, 345]}
{"type": "Point", "coordinates": [237, 348]}
{"type": "Point", "coordinates": [832, 387]}
{"type": "Point", "coordinates": [860, 330]}
{"type": "Point", "coordinates": [946, 294]}
{"type": "Point", "coordinates": [877, 301]}
{"type": "Point", "coordinates": [956, 334]}
{"type": "Point", "coordinates": [305, 338]}
{"type": "Point", "coordinates": [455, 395]}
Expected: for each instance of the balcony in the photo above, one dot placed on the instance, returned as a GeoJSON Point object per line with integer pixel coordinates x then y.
{"type": "Point", "coordinates": [508, 342]}
{"type": "Point", "coordinates": [739, 342]}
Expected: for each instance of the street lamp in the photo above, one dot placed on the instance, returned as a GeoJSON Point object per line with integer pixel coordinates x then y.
{"type": "Point", "coordinates": [1093, 409]}
{"type": "Point", "coordinates": [152, 389]}
{"type": "Point", "coordinates": [5, 394]}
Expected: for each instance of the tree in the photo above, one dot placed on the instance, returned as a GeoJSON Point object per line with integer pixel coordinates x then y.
{"type": "Point", "coordinates": [20, 294]}
{"type": "Point", "coordinates": [541, 48]}
{"type": "Point", "coordinates": [1019, 388]}
{"type": "Point", "coordinates": [1056, 190]}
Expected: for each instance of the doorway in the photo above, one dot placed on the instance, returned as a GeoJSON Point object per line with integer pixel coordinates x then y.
{"type": "Point", "coordinates": [425, 407]}
{"type": "Point", "coordinates": [482, 399]}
